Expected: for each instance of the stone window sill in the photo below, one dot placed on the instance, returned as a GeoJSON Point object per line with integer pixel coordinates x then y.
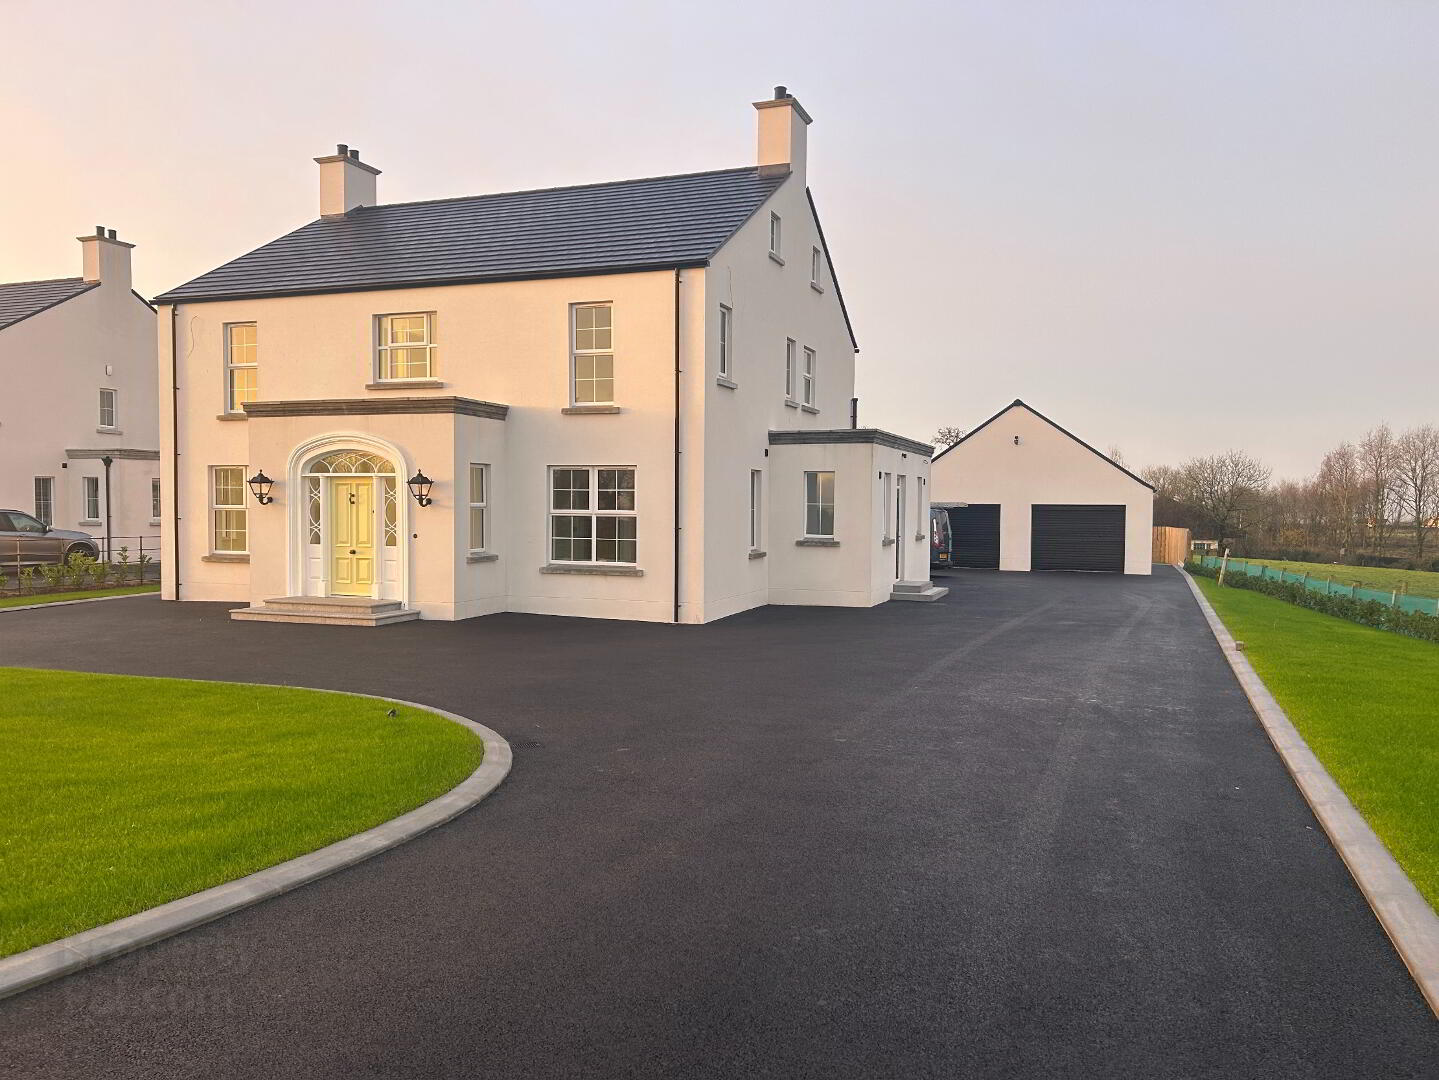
{"type": "Point", "coordinates": [919, 536]}
{"type": "Point", "coordinates": [594, 569]}
{"type": "Point", "coordinates": [481, 556]}
{"type": "Point", "coordinates": [404, 384]}
{"type": "Point", "coordinates": [816, 286]}
{"type": "Point", "coordinates": [109, 431]}
{"type": "Point", "coordinates": [154, 521]}
{"type": "Point", "coordinates": [727, 383]}
{"type": "Point", "coordinates": [758, 554]}
{"type": "Point", "coordinates": [887, 541]}
{"type": "Point", "coordinates": [590, 410]}
{"type": "Point", "coordinates": [810, 409]}
{"type": "Point", "coordinates": [816, 541]}
{"type": "Point", "coordinates": [776, 258]}
{"type": "Point", "coordinates": [791, 403]}
{"type": "Point", "coordinates": [89, 521]}
{"type": "Point", "coordinates": [225, 558]}
{"type": "Point", "coordinates": [232, 416]}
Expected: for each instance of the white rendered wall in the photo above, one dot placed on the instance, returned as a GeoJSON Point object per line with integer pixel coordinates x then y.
{"type": "Point", "coordinates": [56, 365]}
{"type": "Point", "coordinates": [1047, 466]}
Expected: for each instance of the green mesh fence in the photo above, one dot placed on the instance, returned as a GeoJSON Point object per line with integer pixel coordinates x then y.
{"type": "Point", "coordinates": [1332, 584]}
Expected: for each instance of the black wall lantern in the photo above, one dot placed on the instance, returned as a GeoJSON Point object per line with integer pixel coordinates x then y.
{"type": "Point", "coordinates": [261, 484]}
{"type": "Point", "coordinates": [419, 486]}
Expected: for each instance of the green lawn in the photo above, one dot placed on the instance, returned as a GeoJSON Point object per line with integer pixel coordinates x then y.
{"type": "Point", "coordinates": [1417, 582]}
{"type": "Point", "coordinates": [51, 598]}
{"type": "Point", "coordinates": [1366, 702]}
{"type": "Point", "coordinates": [121, 793]}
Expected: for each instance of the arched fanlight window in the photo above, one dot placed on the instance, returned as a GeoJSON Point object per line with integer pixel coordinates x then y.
{"type": "Point", "coordinates": [352, 463]}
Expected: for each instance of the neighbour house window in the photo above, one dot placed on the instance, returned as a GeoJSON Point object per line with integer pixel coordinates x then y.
{"type": "Point", "coordinates": [886, 492]}
{"type": "Point", "coordinates": [45, 499]}
{"type": "Point", "coordinates": [816, 266]}
{"type": "Point", "coordinates": [90, 498]}
{"type": "Point", "coordinates": [819, 504]}
{"type": "Point", "coordinates": [789, 372]}
{"type": "Point", "coordinates": [726, 341]}
{"type": "Point", "coordinates": [921, 506]}
{"type": "Point", "coordinates": [227, 509]}
{"type": "Point", "coordinates": [592, 354]}
{"type": "Point", "coordinates": [774, 235]}
{"type": "Point", "coordinates": [756, 492]}
{"type": "Point", "coordinates": [107, 408]}
{"type": "Point", "coordinates": [807, 378]}
{"type": "Point", "coordinates": [592, 515]}
{"type": "Point", "coordinates": [479, 506]}
{"type": "Point", "coordinates": [155, 498]}
{"type": "Point", "coordinates": [241, 366]}
{"type": "Point", "coordinates": [407, 347]}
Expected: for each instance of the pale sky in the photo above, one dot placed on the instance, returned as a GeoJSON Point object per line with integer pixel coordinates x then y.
{"type": "Point", "coordinates": [1175, 227]}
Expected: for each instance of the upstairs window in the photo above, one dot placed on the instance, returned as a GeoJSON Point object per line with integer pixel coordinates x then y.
{"type": "Point", "coordinates": [819, 504]}
{"type": "Point", "coordinates": [726, 342]}
{"type": "Point", "coordinates": [816, 267]}
{"type": "Point", "coordinates": [107, 408]}
{"type": "Point", "coordinates": [807, 378]}
{"type": "Point", "coordinates": [154, 498]}
{"type": "Point", "coordinates": [407, 347]}
{"type": "Point", "coordinates": [241, 366]}
{"type": "Point", "coordinates": [592, 357]}
{"type": "Point", "coordinates": [775, 235]}
{"type": "Point", "coordinates": [592, 515]}
{"type": "Point", "coordinates": [789, 372]}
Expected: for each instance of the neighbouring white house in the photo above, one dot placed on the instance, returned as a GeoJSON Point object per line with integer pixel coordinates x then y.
{"type": "Point", "coordinates": [624, 400]}
{"type": "Point", "coordinates": [1033, 496]}
{"type": "Point", "coordinates": [79, 428]}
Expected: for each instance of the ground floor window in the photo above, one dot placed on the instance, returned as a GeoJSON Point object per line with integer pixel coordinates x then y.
{"type": "Point", "coordinates": [479, 506]}
{"type": "Point", "coordinates": [819, 504]}
{"type": "Point", "coordinates": [155, 498]}
{"type": "Point", "coordinates": [756, 491]}
{"type": "Point", "coordinates": [45, 499]}
{"type": "Point", "coordinates": [227, 509]}
{"type": "Point", "coordinates": [592, 515]}
{"type": "Point", "coordinates": [90, 498]}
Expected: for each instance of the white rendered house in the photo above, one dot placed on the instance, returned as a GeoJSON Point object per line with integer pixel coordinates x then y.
{"type": "Point", "coordinates": [80, 355]}
{"type": "Point", "coordinates": [628, 400]}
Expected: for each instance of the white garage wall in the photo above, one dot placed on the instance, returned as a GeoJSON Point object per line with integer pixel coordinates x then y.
{"type": "Point", "coordinates": [1048, 466]}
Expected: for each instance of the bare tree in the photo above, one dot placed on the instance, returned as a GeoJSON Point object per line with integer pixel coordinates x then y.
{"type": "Point", "coordinates": [1116, 455]}
{"type": "Point", "coordinates": [1378, 460]}
{"type": "Point", "coordinates": [948, 436]}
{"type": "Point", "coordinates": [1225, 488]}
{"type": "Point", "coordinates": [1338, 496]}
{"type": "Point", "coordinates": [1164, 479]}
{"type": "Point", "coordinates": [1417, 473]}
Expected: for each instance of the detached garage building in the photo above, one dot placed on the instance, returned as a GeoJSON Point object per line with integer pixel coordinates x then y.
{"type": "Point", "coordinates": [1039, 498]}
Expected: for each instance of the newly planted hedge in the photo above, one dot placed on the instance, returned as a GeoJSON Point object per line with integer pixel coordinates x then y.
{"type": "Point", "coordinates": [1365, 612]}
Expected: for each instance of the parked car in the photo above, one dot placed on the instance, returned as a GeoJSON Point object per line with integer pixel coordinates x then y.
{"type": "Point", "coordinates": [941, 539]}
{"type": "Point", "coordinates": [28, 541]}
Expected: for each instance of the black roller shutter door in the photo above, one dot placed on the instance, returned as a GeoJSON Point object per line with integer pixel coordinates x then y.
{"type": "Point", "coordinates": [976, 535]}
{"type": "Point", "coordinates": [1077, 538]}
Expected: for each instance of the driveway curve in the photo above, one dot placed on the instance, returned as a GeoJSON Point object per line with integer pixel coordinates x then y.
{"type": "Point", "coordinates": [1031, 830]}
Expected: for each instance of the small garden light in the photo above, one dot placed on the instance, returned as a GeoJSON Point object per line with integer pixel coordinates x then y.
{"type": "Point", "coordinates": [419, 486]}
{"type": "Point", "coordinates": [261, 484]}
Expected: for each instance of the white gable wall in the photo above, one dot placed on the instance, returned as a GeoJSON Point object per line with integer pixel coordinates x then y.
{"type": "Point", "coordinates": [1047, 466]}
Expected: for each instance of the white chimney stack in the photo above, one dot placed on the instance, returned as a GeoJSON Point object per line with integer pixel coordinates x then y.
{"type": "Point", "coordinates": [782, 124]}
{"type": "Point", "coordinates": [345, 182]}
{"type": "Point", "coordinates": [105, 259]}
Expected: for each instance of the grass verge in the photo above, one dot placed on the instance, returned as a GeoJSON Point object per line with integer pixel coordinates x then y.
{"type": "Point", "coordinates": [1416, 582]}
{"type": "Point", "coordinates": [89, 594]}
{"type": "Point", "coordinates": [122, 793]}
{"type": "Point", "coordinates": [1365, 702]}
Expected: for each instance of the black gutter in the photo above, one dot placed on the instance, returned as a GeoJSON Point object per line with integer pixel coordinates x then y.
{"type": "Point", "coordinates": [175, 445]}
{"type": "Point", "coordinates": [678, 451]}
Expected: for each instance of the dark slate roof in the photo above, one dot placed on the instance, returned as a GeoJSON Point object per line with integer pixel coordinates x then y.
{"type": "Point", "coordinates": [21, 299]}
{"type": "Point", "coordinates": [655, 223]}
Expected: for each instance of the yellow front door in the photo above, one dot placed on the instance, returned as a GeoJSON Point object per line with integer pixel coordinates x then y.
{"type": "Point", "coordinates": [352, 537]}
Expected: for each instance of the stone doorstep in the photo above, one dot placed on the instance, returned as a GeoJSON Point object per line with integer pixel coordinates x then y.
{"type": "Point", "coordinates": [923, 591]}
{"type": "Point", "coordinates": [326, 611]}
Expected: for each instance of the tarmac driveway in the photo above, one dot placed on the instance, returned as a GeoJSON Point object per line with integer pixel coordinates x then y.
{"type": "Point", "coordinates": [1031, 830]}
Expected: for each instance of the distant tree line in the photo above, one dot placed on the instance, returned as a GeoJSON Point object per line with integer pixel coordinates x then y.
{"type": "Point", "coordinates": [1375, 501]}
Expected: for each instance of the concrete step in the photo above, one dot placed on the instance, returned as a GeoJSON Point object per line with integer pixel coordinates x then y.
{"type": "Point", "coordinates": [923, 591]}
{"type": "Point", "coordinates": [326, 611]}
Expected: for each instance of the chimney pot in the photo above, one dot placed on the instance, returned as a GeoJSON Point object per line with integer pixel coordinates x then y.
{"type": "Point", "coordinates": [99, 230]}
{"type": "Point", "coordinates": [355, 154]}
{"type": "Point", "coordinates": [780, 92]}
{"type": "Point", "coordinates": [341, 149]}
{"type": "Point", "coordinates": [111, 234]}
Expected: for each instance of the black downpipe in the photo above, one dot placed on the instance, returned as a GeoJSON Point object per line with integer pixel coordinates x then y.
{"type": "Point", "coordinates": [854, 412]}
{"type": "Point", "coordinates": [175, 445]}
{"type": "Point", "coordinates": [107, 461]}
{"type": "Point", "coordinates": [678, 451]}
